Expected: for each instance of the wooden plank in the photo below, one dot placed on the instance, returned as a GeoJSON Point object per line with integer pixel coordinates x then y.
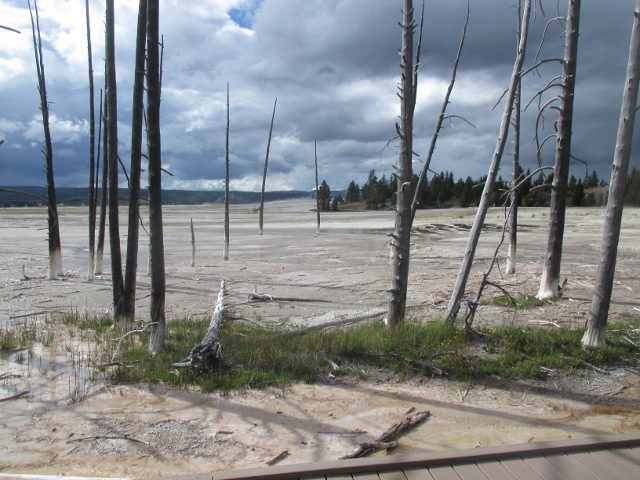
{"type": "Point", "coordinates": [469, 471]}
{"type": "Point", "coordinates": [417, 473]}
{"type": "Point", "coordinates": [366, 476]}
{"type": "Point", "coordinates": [520, 469]}
{"type": "Point", "coordinates": [392, 475]}
{"type": "Point", "coordinates": [545, 468]}
{"type": "Point", "coordinates": [444, 472]}
{"type": "Point", "coordinates": [619, 463]}
{"type": "Point", "coordinates": [495, 471]}
{"type": "Point", "coordinates": [595, 466]}
{"type": "Point", "coordinates": [568, 465]}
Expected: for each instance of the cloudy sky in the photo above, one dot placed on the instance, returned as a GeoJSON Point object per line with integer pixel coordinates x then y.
{"type": "Point", "coordinates": [334, 67]}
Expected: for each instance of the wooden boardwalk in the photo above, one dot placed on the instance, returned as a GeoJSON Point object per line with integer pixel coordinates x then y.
{"type": "Point", "coordinates": [608, 457]}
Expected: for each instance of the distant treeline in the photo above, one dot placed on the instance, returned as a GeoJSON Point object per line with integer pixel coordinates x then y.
{"type": "Point", "coordinates": [535, 191]}
{"type": "Point", "coordinates": [79, 196]}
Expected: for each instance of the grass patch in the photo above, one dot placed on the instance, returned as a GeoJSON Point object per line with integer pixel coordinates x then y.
{"type": "Point", "coordinates": [521, 301]}
{"type": "Point", "coordinates": [257, 358]}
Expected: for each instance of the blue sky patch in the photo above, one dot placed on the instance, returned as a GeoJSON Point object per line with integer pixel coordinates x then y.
{"type": "Point", "coordinates": [245, 15]}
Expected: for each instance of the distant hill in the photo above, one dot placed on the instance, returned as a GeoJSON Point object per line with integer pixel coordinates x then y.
{"type": "Point", "coordinates": [78, 196]}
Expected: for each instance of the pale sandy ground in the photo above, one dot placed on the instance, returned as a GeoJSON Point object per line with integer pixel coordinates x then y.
{"type": "Point", "coordinates": [343, 272]}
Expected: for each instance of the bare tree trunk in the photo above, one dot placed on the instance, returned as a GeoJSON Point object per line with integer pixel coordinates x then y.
{"type": "Point", "coordinates": [513, 210]}
{"type": "Point", "coordinates": [92, 147]}
{"type": "Point", "coordinates": [474, 234]}
{"type": "Point", "coordinates": [225, 253]}
{"type": "Point", "coordinates": [193, 245]}
{"type": "Point", "coordinates": [55, 247]}
{"type": "Point", "coordinates": [315, 156]}
{"type": "Point", "coordinates": [111, 157]}
{"type": "Point", "coordinates": [154, 147]}
{"type": "Point", "coordinates": [550, 280]}
{"type": "Point", "coordinates": [594, 335]}
{"type": "Point", "coordinates": [401, 237]}
{"type": "Point", "coordinates": [103, 190]}
{"type": "Point", "coordinates": [264, 175]}
{"type": "Point", "coordinates": [131, 270]}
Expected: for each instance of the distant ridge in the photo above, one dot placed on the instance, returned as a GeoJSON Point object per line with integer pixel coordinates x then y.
{"type": "Point", "coordinates": [78, 196]}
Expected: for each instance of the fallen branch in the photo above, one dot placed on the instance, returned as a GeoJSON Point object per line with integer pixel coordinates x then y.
{"type": "Point", "coordinates": [337, 323]}
{"type": "Point", "coordinates": [386, 439]}
{"type": "Point", "coordinates": [108, 437]}
{"type": "Point", "coordinates": [13, 397]}
{"type": "Point", "coordinates": [263, 297]}
{"type": "Point", "coordinates": [4, 376]}
{"type": "Point", "coordinates": [278, 458]}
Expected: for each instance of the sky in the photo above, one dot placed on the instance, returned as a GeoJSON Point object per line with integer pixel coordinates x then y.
{"type": "Point", "coordinates": [333, 66]}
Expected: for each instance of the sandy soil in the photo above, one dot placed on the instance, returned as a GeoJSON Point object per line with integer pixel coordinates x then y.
{"type": "Point", "coordinates": [343, 272]}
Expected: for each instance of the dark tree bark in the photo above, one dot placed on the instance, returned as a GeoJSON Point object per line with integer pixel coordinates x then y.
{"type": "Point", "coordinates": [401, 237]}
{"type": "Point", "coordinates": [92, 148]}
{"type": "Point", "coordinates": [225, 253]}
{"type": "Point", "coordinates": [154, 147]}
{"type": "Point", "coordinates": [550, 280]}
{"type": "Point", "coordinates": [513, 200]}
{"type": "Point", "coordinates": [55, 247]}
{"type": "Point", "coordinates": [315, 157]}
{"type": "Point", "coordinates": [264, 175]}
{"type": "Point", "coordinates": [103, 190]}
{"type": "Point", "coordinates": [131, 269]}
{"type": "Point", "coordinates": [111, 158]}
{"type": "Point", "coordinates": [465, 268]}
{"type": "Point", "coordinates": [594, 335]}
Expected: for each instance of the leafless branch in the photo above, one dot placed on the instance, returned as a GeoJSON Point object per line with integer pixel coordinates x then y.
{"type": "Point", "coordinates": [441, 117]}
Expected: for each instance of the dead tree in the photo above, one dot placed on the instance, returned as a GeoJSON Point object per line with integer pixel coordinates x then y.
{"type": "Point", "coordinates": [193, 245]}
{"type": "Point", "coordinates": [225, 253]}
{"type": "Point", "coordinates": [111, 158]}
{"type": "Point", "coordinates": [154, 149]}
{"type": "Point", "coordinates": [208, 353]}
{"type": "Point", "coordinates": [550, 280]}
{"type": "Point", "coordinates": [594, 334]}
{"type": "Point", "coordinates": [55, 247]}
{"type": "Point", "coordinates": [474, 235]}
{"type": "Point", "coordinates": [514, 196]}
{"type": "Point", "coordinates": [131, 270]}
{"type": "Point", "coordinates": [401, 237]}
{"type": "Point", "coordinates": [264, 175]}
{"type": "Point", "coordinates": [315, 156]}
{"type": "Point", "coordinates": [441, 117]}
{"type": "Point", "coordinates": [104, 190]}
{"type": "Point", "coordinates": [92, 148]}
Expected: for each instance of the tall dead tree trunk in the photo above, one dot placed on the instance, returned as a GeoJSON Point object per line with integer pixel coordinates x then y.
{"type": "Point", "coordinates": [225, 253]}
{"type": "Point", "coordinates": [315, 157]}
{"type": "Point", "coordinates": [441, 117]}
{"type": "Point", "coordinates": [594, 334]}
{"type": "Point", "coordinates": [55, 247]}
{"type": "Point", "coordinates": [92, 148]}
{"type": "Point", "coordinates": [104, 188]}
{"type": "Point", "coordinates": [154, 148]}
{"type": "Point", "coordinates": [131, 270]}
{"type": "Point", "coordinates": [401, 237]}
{"type": "Point", "coordinates": [264, 175]}
{"type": "Point", "coordinates": [514, 197]}
{"type": "Point", "coordinates": [474, 234]}
{"type": "Point", "coordinates": [111, 158]}
{"type": "Point", "coordinates": [550, 280]}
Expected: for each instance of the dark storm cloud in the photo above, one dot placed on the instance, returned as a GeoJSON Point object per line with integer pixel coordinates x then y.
{"type": "Point", "coordinates": [334, 66]}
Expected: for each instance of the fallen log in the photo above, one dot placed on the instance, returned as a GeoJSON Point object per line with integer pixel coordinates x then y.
{"type": "Point", "coordinates": [208, 353]}
{"type": "Point", "coordinates": [13, 397]}
{"type": "Point", "coordinates": [386, 440]}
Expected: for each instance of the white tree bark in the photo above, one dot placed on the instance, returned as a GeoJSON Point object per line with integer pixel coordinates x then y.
{"type": "Point", "coordinates": [474, 234]}
{"type": "Point", "coordinates": [550, 280]}
{"type": "Point", "coordinates": [594, 335]}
